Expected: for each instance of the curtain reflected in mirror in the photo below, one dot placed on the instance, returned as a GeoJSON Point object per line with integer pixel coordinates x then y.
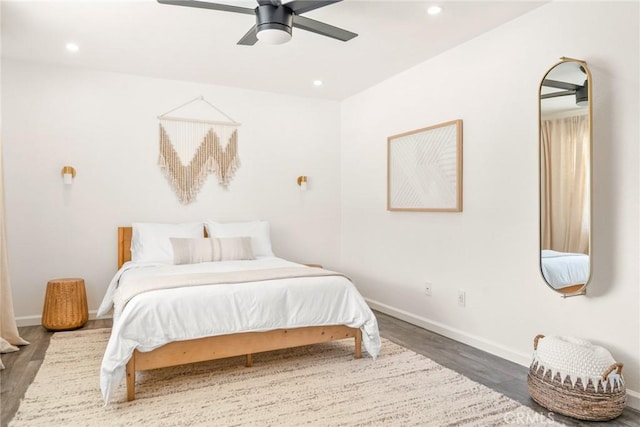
{"type": "Point", "coordinates": [565, 177]}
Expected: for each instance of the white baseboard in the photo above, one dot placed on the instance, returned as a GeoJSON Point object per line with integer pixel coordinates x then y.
{"type": "Point", "coordinates": [28, 320]}
{"type": "Point", "coordinates": [453, 333]}
{"type": "Point", "coordinates": [633, 397]}
{"type": "Point", "coordinates": [37, 320]}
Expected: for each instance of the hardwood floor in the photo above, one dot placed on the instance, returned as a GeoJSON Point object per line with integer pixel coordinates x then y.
{"type": "Point", "coordinates": [503, 376]}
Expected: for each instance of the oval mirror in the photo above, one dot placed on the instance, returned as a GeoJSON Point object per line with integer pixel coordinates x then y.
{"type": "Point", "coordinates": [565, 141]}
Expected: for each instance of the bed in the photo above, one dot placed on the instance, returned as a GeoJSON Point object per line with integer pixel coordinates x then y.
{"type": "Point", "coordinates": [218, 319]}
{"type": "Point", "coordinates": [564, 271]}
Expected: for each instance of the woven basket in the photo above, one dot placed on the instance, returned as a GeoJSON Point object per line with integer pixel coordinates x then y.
{"type": "Point", "coordinates": [65, 305]}
{"type": "Point", "coordinates": [603, 398]}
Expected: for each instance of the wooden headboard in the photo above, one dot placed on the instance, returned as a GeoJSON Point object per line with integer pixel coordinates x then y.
{"type": "Point", "coordinates": [124, 244]}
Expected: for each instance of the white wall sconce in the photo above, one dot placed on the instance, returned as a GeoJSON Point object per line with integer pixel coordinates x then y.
{"type": "Point", "coordinates": [302, 182]}
{"type": "Point", "coordinates": [68, 173]}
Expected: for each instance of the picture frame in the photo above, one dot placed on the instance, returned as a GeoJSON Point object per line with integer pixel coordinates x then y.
{"type": "Point", "coordinates": [424, 169]}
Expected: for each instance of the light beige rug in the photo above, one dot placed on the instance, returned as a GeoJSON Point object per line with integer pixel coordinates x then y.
{"type": "Point", "coordinates": [319, 385]}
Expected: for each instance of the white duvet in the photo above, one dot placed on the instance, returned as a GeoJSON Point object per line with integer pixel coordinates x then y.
{"type": "Point", "coordinates": [155, 318]}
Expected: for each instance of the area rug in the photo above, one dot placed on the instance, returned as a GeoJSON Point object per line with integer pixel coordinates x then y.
{"type": "Point", "coordinates": [320, 385]}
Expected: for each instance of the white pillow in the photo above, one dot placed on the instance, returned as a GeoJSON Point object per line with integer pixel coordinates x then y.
{"type": "Point", "coordinates": [257, 230]}
{"type": "Point", "coordinates": [150, 242]}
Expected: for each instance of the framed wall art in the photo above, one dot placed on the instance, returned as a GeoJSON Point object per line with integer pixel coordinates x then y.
{"type": "Point", "coordinates": [424, 169]}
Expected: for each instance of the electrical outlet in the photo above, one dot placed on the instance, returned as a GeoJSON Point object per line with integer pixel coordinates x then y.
{"type": "Point", "coordinates": [462, 298]}
{"type": "Point", "coordinates": [427, 289]}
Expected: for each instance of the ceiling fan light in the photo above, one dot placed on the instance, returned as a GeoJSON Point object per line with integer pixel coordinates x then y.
{"type": "Point", "coordinates": [273, 36]}
{"type": "Point", "coordinates": [273, 23]}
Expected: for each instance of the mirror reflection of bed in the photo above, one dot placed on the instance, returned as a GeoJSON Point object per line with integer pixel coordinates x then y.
{"type": "Point", "coordinates": [566, 272]}
{"type": "Point", "coordinates": [565, 176]}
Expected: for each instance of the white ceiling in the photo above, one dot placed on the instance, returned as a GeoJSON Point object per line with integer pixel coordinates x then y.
{"type": "Point", "coordinates": [146, 38]}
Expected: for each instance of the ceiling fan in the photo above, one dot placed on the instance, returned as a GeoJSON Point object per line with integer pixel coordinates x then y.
{"type": "Point", "coordinates": [581, 92]}
{"type": "Point", "coordinates": [275, 19]}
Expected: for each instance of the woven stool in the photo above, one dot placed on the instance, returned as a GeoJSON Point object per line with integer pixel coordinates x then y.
{"type": "Point", "coordinates": [65, 305]}
{"type": "Point", "coordinates": [573, 377]}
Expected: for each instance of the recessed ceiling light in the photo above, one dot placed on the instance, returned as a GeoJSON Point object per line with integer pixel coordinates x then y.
{"type": "Point", "coordinates": [72, 47]}
{"type": "Point", "coordinates": [317, 82]}
{"type": "Point", "coordinates": [434, 10]}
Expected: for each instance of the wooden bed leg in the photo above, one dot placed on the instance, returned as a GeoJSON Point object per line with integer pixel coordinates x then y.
{"type": "Point", "coordinates": [358, 339]}
{"type": "Point", "coordinates": [249, 362]}
{"type": "Point", "coordinates": [131, 378]}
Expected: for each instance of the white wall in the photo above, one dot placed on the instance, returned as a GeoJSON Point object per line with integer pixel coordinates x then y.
{"type": "Point", "coordinates": [104, 124]}
{"type": "Point", "coordinates": [491, 248]}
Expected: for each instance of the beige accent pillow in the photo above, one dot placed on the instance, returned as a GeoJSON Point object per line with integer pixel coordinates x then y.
{"type": "Point", "coordinates": [197, 250]}
{"type": "Point", "coordinates": [232, 248]}
{"type": "Point", "coordinates": [192, 250]}
{"type": "Point", "coordinates": [258, 231]}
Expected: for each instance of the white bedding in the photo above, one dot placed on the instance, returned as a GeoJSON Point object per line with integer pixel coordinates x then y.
{"type": "Point", "coordinates": [562, 269]}
{"type": "Point", "coordinates": [155, 318]}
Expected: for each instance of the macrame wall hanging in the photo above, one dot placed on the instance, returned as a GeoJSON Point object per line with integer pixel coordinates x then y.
{"type": "Point", "coordinates": [192, 148]}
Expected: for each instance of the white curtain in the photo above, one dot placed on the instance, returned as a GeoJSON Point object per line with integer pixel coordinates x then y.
{"type": "Point", "coordinates": [9, 336]}
{"type": "Point", "coordinates": [565, 184]}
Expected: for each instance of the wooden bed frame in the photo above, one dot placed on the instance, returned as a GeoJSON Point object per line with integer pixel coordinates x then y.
{"type": "Point", "coordinates": [218, 347]}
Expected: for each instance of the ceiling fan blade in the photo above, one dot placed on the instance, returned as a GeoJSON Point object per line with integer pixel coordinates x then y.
{"type": "Point", "coordinates": [557, 94]}
{"type": "Point", "coordinates": [250, 38]}
{"type": "Point", "coordinates": [560, 85]}
{"type": "Point", "coordinates": [322, 28]}
{"type": "Point", "coordinates": [207, 5]}
{"type": "Point", "coordinates": [301, 6]}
